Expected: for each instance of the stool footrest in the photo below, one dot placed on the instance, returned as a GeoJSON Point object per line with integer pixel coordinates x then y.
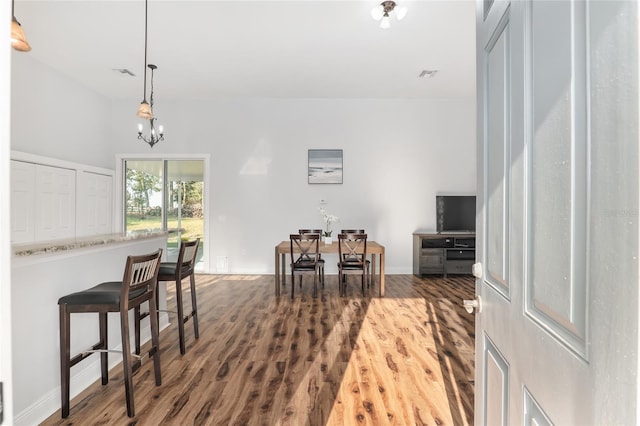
{"type": "Point", "coordinates": [83, 355]}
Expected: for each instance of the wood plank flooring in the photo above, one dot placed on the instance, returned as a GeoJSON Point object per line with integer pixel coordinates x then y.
{"type": "Point", "coordinates": [406, 359]}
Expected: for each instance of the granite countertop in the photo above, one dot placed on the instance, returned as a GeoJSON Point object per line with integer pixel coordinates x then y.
{"type": "Point", "coordinates": [30, 249]}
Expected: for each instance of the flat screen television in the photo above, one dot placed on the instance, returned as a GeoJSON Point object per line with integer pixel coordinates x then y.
{"type": "Point", "coordinates": [456, 213]}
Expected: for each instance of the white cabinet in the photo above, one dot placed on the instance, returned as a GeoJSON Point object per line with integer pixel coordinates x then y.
{"type": "Point", "coordinates": [95, 204]}
{"type": "Point", "coordinates": [55, 203]}
{"type": "Point", "coordinates": [52, 200]}
{"type": "Point", "coordinates": [23, 207]}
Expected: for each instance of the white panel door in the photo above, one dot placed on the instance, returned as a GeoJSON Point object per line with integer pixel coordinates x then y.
{"type": "Point", "coordinates": [55, 203]}
{"type": "Point", "coordinates": [23, 203]}
{"type": "Point", "coordinates": [558, 203]}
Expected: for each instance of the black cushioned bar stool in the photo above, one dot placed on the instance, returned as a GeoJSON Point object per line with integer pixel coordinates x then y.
{"type": "Point", "coordinates": [177, 271]}
{"type": "Point", "coordinates": [138, 286]}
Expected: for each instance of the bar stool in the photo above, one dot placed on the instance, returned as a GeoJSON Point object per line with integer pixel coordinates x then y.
{"type": "Point", "coordinates": [169, 271]}
{"type": "Point", "coordinates": [138, 286]}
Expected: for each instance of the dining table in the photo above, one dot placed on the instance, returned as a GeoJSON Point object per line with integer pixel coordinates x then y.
{"type": "Point", "coordinates": [374, 249]}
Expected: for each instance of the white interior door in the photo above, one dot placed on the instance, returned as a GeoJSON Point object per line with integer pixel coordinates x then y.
{"type": "Point", "coordinates": [557, 335]}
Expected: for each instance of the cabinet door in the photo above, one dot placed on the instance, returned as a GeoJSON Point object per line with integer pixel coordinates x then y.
{"type": "Point", "coordinates": [94, 214]}
{"type": "Point", "coordinates": [22, 202]}
{"type": "Point", "coordinates": [55, 203]}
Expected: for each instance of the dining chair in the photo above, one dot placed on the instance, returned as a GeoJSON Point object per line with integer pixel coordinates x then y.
{"type": "Point", "coordinates": [304, 250]}
{"type": "Point", "coordinates": [352, 255]}
{"type": "Point", "coordinates": [138, 285]}
{"type": "Point", "coordinates": [359, 231]}
{"type": "Point", "coordinates": [320, 259]}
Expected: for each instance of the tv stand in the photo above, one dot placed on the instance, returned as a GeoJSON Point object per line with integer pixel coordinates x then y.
{"type": "Point", "coordinates": [443, 253]}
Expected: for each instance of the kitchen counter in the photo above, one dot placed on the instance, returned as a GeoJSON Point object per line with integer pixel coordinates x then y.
{"type": "Point", "coordinates": [55, 246]}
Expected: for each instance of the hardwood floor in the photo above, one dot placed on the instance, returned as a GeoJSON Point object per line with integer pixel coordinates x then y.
{"type": "Point", "coordinates": [406, 359]}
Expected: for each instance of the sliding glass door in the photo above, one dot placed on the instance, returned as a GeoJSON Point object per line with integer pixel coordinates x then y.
{"type": "Point", "coordinates": [163, 194]}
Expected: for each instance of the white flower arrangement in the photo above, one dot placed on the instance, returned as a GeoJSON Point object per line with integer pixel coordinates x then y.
{"type": "Point", "coordinates": [328, 219]}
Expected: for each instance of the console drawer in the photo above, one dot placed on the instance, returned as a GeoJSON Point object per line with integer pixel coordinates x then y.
{"type": "Point", "coordinates": [459, 266]}
{"type": "Point", "coordinates": [461, 254]}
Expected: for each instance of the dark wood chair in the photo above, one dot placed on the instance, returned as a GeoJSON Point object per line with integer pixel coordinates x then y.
{"type": "Point", "coordinates": [352, 255]}
{"type": "Point", "coordinates": [138, 285]}
{"type": "Point", "coordinates": [320, 259]}
{"type": "Point", "coordinates": [305, 251]}
{"type": "Point", "coordinates": [178, 271]}
{"type": "Point", "coordinates": [359, 231]}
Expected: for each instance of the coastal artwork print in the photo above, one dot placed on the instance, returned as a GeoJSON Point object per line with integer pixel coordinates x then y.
{"type": "Point", "coordinates": [325, 166]}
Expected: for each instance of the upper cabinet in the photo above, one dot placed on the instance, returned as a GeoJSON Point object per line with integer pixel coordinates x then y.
{"type": "Point", "coordinates": [95, 204]}
{"type": "Point", "coordinates": [52, 200]}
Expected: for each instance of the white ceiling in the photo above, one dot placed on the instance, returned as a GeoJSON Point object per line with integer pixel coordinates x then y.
{"type": "Point", "coordinates": [300, 49]}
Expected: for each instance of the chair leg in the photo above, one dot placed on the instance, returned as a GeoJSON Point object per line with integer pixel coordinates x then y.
{"type": "Point", "coordinates": [293, 285]}
{"type": "Point", "coordinates": [126, 362]}
{"type": "Point", "coordinates": [65, 356]}
{"type": "Point", "coordinates": [180, 315]}
{"type": "Point", "coordinates": [194, 307]}
{"type": "Point", "coordinates": [315, 285]}
{"type": "Point", "coordinates": [136, 328]}
{"type": "Point", "coordinates": [104, 356]}
{"type": "Point", "coordinates": [155, 339]}
{"type": "Point", "coordinates": [363, 279]}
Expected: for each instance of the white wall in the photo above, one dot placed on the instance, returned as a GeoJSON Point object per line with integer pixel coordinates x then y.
{"type": "Point", "coordinates": [397, 155]}
{"type": "Point", "coordinates": [54, 116]}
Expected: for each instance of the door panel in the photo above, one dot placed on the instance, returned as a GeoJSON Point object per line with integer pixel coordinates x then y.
{"type": "Point", "coordinates": [556, 287]}
{"type": "Point", "coordinates": [533, 413]}
{"type": "Point", "coordinates": [558, 223]}
{"type": "Point", "coordinates": [496, 385]}
{"type": "Point", "coordinates": [497, 170]}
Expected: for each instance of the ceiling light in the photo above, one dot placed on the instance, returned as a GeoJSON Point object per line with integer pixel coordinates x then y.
{"type": "Point", "coordinates": [387, 8]}
{"type": "Point", "coordinates": [18, 39]}
{"type": "Point", "coordinates": [145, 110]}
{"type": "Point", "coordinates": [154, 136]}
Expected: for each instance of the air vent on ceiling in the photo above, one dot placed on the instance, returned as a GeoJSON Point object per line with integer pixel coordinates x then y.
{"type": "Point", "coordinates": [427, 73]}
{"type": "Point", "coordinates": [124, 71]}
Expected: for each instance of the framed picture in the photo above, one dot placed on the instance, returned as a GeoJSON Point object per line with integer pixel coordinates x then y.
{"type": "Point", "coordinates": [325, 166]}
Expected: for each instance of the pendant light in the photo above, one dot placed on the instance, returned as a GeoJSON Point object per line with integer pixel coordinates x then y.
{"type": "Point", "coordinates": [18, 39]}
{"type": "Point", "coordinates": [154, 136]}
{"type": "Point", "coordinates": [144, 111]}
{"type": "Point", "coordinates": [387, 8]}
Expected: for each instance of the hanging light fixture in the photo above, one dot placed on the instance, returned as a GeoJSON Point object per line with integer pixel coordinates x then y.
{"type": "Point", "coordinates": [18, 39]}
{"type": "Point", "coordinates": [387, 8]}
{"type": "Point", "coordinates": [154, 136]}
{"type": "Point", "coordinates": [144, 110]}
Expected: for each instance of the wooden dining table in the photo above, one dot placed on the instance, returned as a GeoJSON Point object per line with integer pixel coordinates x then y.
{"type": "Point", "coordinates": [376, 250]}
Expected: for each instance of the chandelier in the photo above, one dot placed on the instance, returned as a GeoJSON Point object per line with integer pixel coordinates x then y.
{"type": "Point", "coordinates": [145, 110]}
{"type": "Point", "coordinates": [385, 10]}
{"type": "Point", "coordinates": [154, 136]}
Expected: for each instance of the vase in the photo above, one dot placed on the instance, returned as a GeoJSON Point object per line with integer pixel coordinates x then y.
{"type": "Point", "coordinates": [327, 240]}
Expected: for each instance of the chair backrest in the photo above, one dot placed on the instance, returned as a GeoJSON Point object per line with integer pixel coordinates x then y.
{"type": "Point", "coordinates": [310, 231]}
{"type": "Point", "coordinates": [187, 255]}
{"type": "Point", "coordinates": [140, 275]}
{"type": "Point", "coordinates": [353, 231]}
{"type": "Point", "coordinates": [304, 248]}
{"type": "Point", "coordinates": [352, 247]}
